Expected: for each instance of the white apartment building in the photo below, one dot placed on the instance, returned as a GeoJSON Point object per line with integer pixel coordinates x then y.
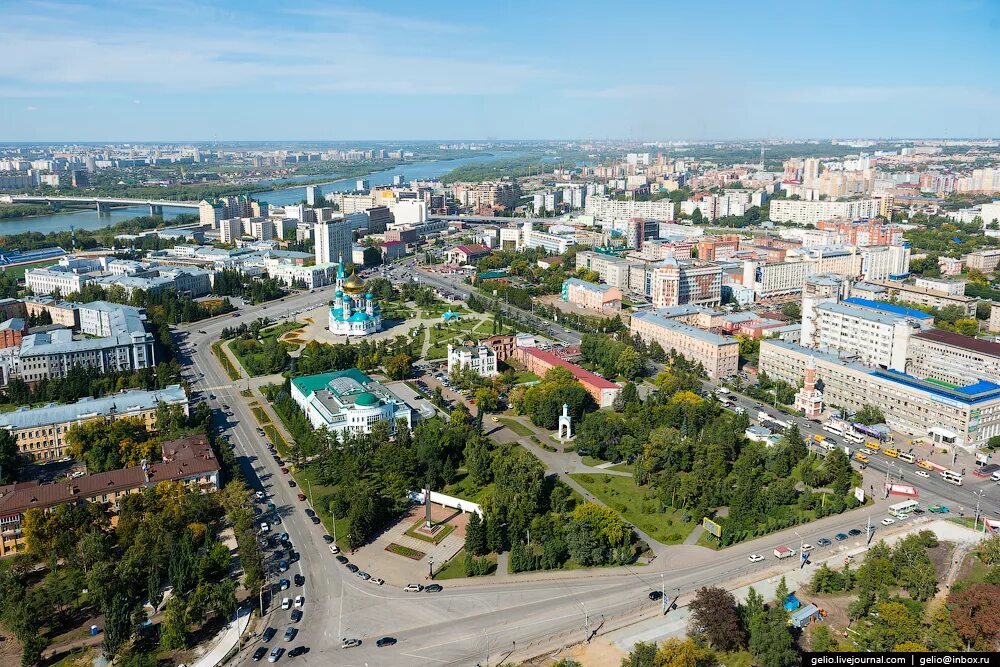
{"type": "Point", "coordinates": [803, 212]}
{"type": "Point", "coordinates": [884, 262]}
{"type": "Point", "coordinates": [333, 241]}
{"type": "Point", "coordinates": [103, 318]}
{"type": "Point", "coordinates": [262, 230]}
{"type": "Point", "coordinates": [612, 269]}
{"type": "Point", "coordinates": [54, 279]}
{"type": "Point", "coordinates": [480, 358]}
{"type": "Point", "coordinates": [231, 230]}
{"type": "Point", "coordinates": [773, 279]}
{"type": "Point", "coordinates": [605, 208]}
{"type": "Point", "coordinates": [555, 244]}
{"type": "Point", "coordinates": [880, 339]}
{"type": "Point", "coordinates": [291, 274]}
{"type": "Point", "coordinates": [713, 206]}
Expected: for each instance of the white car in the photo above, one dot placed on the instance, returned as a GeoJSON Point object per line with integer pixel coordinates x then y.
{"type": "Point", "coordinates": [888, 522]}
{"type": "Point", "coordinates": [924, 474]}
{"type": "Point", "coordinates": [755, 558]}
{"type": "Point", "coordinates": [413, 588]}
{"type": "Point", "coordinates": [286, 603]}
{"type": "Point", "coordinates": [300, 600]}
{"type": "Point", "coordinates": [376, 581]}
{"type": "Point", "coordinates": [807, 547]}
{"type": "Point", "coordinates": [264, 527]}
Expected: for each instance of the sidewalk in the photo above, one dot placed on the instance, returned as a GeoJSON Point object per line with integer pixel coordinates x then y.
{"type": "Point", "coordinates": [226, 642]}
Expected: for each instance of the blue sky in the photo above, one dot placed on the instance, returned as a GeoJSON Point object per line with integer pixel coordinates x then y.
{"type": "Point", "coordinates": [257, 70]}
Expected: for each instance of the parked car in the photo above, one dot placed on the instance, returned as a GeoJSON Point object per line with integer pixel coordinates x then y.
{"type": "Point", "coordinates": [286, 603]}
{"type": "Point", "coordinates": [296, 615]}
{"type": "Point", "coordinates": [823, 542]}
{"type": "Point", "coordinates": [433, 588]}
{"type": "Point", "coordinates": [413, 588]}
{"type": "Point", "coordinates": [328, 540]}
{"type": "Point", "coordinates": [385, 641]}
{"type": "Point", "coordinates": [315, 520]}
{"type": "Point", "coordinates": [364, 575]}
{"type": "Point", "coordinates": [275, 654]}
{"type": "Point", "coordinates": [888, 521]}
{"type": "Point", "coordinates": [350, 643]}
{"type": "Point", "coordinates": [655, 595]}
{"type": "Point", "coordinates": [298, 650]}
{"type": "Point", "coordinates": [299, 580]}
{"type": "Point", "coordinates": [840, 537]}
{"type": "Point", "coordinates": [283, 584]}
{"type": "Point", "coordinates": [290, 634]}
{"type": "Point", "coordinates": [267, 635]}
{"type": "Point", "coordinates": [376, 581]}
{"type": "Point", "coordinates": [854, 532]}
{"type": "Point", "coordinates": [755, 558]}
{"type": "Point", "coordinates": [300, 601]}
{"type": "Point", "coordinates": [259, 654]}
{"type": "Point", "coordinates": [302, 496]}
{"type": "Point", "coordinates": [342, 559]}
{"type": "Point", "coordinates": [351, 567]}
{"type": "Point", "coordinates": [309, 512]}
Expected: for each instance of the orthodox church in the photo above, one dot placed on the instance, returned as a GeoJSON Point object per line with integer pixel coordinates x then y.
{"type": "Point", "coordinates": [354, 313]}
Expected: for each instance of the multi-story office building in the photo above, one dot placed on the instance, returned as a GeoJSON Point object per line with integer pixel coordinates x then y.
{"type": "Point", "coordinates": [54, 279]}
{"type": "Point", "coordinates": [349, 401]}
{"type": "Point", "coordinates": [879, 337]}
{"type": "Point", "coordinates": [189, 461]}
{"type": "Point", "coordinates": [291, 274]}
{"type": "Point", "coordinates": [540, 361]}
{"type": "Point", "coordinates": [804, 212]}
{"type": "Point", "coordinates": [603, 298]}
{"type": "Point", "coordinates": [677, 282]}
{"type": "Point", "coordinates": [40, 432]}
{"type": "Point", "coordinates": [966, 416]}
{"type": "Point", "coordinates": [612, 269]}
{"type": "Point", "coordinates": [555, 244]}
{"type": "Point", "coordinates": [333, 241]}
{"type": "Point", "coordinates": [927, 297]}
{"type": "Point", "coordinates": [605, 208]}
{"type": "Point", "coordinates": [984, 260]}
{"type": "Point", "coordinates": [817, 290]}
{"type": "Point", "coordinates": [952, 358]}
{"type": "Point", "coordinates": [480, 358]}
{"type": "Point", "coordinates": [719, 355]}
{"type": "Point", "coordinates": [769, 279]}
{"type": "Point", "coordinates": [885, 262]}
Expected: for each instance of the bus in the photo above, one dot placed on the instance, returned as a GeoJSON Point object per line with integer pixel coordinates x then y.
{"type": "Point", "coordinates": [891, 453]}
{"type": "Point", "coordinates": [906, 456]}
{"type": "Point", "coordinates": [905, 507]}
{"type": "Point", "coordinates": [854, 437]}
{"type": "Point", "coordinates": [874, 446]}
{"type": "Point", "coordinates": [951, 477]}
{"type": "Point", "coordinates": [834, 427]}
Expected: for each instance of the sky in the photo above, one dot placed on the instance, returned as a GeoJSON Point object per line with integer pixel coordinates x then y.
{"type": "Point", "coordinates": [181, 70]}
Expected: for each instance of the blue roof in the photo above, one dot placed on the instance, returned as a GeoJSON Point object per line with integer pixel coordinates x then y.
{"type": "Point", "coordinates": [969, 395]}
{"type": "Point", "coordinates": [889, 308]}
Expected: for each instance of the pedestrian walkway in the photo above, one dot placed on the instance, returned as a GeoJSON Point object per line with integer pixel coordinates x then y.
{"type": "Point", "coordinates": [226, 642]}
{"type": "Point", "coordinates": [693, 536]}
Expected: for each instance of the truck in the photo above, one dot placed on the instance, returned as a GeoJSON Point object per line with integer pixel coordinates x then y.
{"type": "Point", "coordinates": [783, 552]}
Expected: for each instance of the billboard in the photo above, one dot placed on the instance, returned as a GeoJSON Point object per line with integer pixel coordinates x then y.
{"type": "Point", "coordinates": [859, 493]}
{"type": "Point", "coordinates": [712, 527]}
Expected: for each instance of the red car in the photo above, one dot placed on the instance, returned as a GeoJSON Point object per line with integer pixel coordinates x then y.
{"type": "Point", "coordinates": [284, 470]}
{"type": "Point", "coordinates": [302, 496]}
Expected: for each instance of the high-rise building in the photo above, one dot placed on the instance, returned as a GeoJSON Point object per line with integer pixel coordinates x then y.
{"type": "Point", "coordinates": [314, 194]}
{"type": "Point", "coordinates": [333, 241]}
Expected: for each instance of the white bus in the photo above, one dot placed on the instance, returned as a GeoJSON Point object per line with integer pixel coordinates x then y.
{"type": "Point", "coordinates": [951, 477]}
{"type": "Point", "coordinates": [833, 427]}
{"type": "Point", "coordinates": [909, 458]}
{"type": "Point", "coordinates": [856, 438]}
{"type": "Point", "coordinates": [905, 507]}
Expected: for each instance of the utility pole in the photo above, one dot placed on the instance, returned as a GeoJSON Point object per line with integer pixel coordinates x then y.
{"type": "Point", "coordinates": [979, 495]}
{"type": "Point", "coordinates": [663, 597]}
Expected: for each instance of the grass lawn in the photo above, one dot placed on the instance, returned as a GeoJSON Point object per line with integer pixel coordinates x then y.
{"type": "Point", "coordinates": [18, 271]}
{"type": "Point", "coordinates": [623, 467]}
{"type": "Point", "coordinates": [526, 376]}
{"type": "Point", "coordinates": [279, 329]}
{"type": "Point", "coordinates": [455, 568]}
{"type": "Point", "coordinates": [629, 500]}
{"type": "Point", "coordinates": [591, 461]}
{"type": "Point", "coordinates": [516, 426]}
{"type": "Point", "coordinates": [260, 415]}
{"type": "Point", "coordinates": [406, 552]}
{"type": "Point", "coordinates": [435, 352]}
{"type": "Point", "coordinates": [444, 532]}
{"type": "Point", "coordinates": [227, 364]}
{"type": "Point", "coordinates": [274, 435]}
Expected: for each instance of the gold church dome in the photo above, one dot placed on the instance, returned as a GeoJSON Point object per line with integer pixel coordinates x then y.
{"type": "Point", "coordinates": [353, 284]}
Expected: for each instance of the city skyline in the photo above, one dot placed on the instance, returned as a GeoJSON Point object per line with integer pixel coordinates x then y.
{"type": "Point", "coordinates": [338, 71]}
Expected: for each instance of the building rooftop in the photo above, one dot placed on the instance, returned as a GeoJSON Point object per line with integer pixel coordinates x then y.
{"type": "Point", "coordinates": [594, 287]}
{"type": "Point", "coordinates": [885, 307]}
{"type": "Point", "coordinates": [862, 313]}
{"type": "Point", "coordinates": [123, 403]}
{"type": "Point", "coordinates": [694, 332]}
{"type": "Point", "coordinates": [347, 387]}
{"type": "Point", "coordinates": [965, 342]}
{"type": "Point", "coordinates": [580, 373]}
{"type": "Point", "coordinates": [182, 459]}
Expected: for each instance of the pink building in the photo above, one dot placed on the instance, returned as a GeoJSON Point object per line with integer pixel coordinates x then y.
{"type": "Point", "coordinates": [602, 298]}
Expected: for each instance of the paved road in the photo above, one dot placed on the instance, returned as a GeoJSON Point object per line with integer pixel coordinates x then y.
{"type": "Point", "coordinates": [469, 619]}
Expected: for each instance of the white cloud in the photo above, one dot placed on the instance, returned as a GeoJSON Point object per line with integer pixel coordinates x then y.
{"type": "Point", "coordinates": [636, 91]}
{"type": "Point", "coordinates": [193, 48]}
{"type": "Point", "coordinates": [31, 108]}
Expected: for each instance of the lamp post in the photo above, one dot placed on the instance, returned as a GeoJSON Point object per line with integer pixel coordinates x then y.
{"type": "Point", "coordinates": [663, 597]}
{"type": "Point", "coordinates": [979, 495]}
{"type": "Point", "coordinates": [586, 621]}
{"type": "Point", "coordinates": [430, 564]}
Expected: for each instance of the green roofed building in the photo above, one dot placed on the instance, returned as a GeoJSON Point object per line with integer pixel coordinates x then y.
{"type": "Point", "coordinates": [348, 400]}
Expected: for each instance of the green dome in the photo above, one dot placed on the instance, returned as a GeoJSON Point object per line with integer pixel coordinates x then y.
{"type": "Point", "coordinates": [367, 399]}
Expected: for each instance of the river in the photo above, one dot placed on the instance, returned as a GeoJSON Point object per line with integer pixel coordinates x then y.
{"type": "Point", "coordinates": [90, 219]}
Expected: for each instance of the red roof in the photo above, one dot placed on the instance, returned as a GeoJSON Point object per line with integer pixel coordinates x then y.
{"type": "Point", "coordinates": [392, 244]}
{"type": "Point", "coordinates": [474, 249]}
{"type": "Point", "coordinates": [581, 374]}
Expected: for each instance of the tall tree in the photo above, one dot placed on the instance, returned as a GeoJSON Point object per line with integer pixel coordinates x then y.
{"type": "Point", "coordinates": [714, 615]}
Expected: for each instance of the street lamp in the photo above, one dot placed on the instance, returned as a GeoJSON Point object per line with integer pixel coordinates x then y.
{"type": "Point", "coordinates": [430, 562]}
{"type": "Point", "coordinates": [663, 598]}
{"type": "Point", "coordinates": [979, 495]}
{"type": "Point", "coordinates": [586, 620]}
